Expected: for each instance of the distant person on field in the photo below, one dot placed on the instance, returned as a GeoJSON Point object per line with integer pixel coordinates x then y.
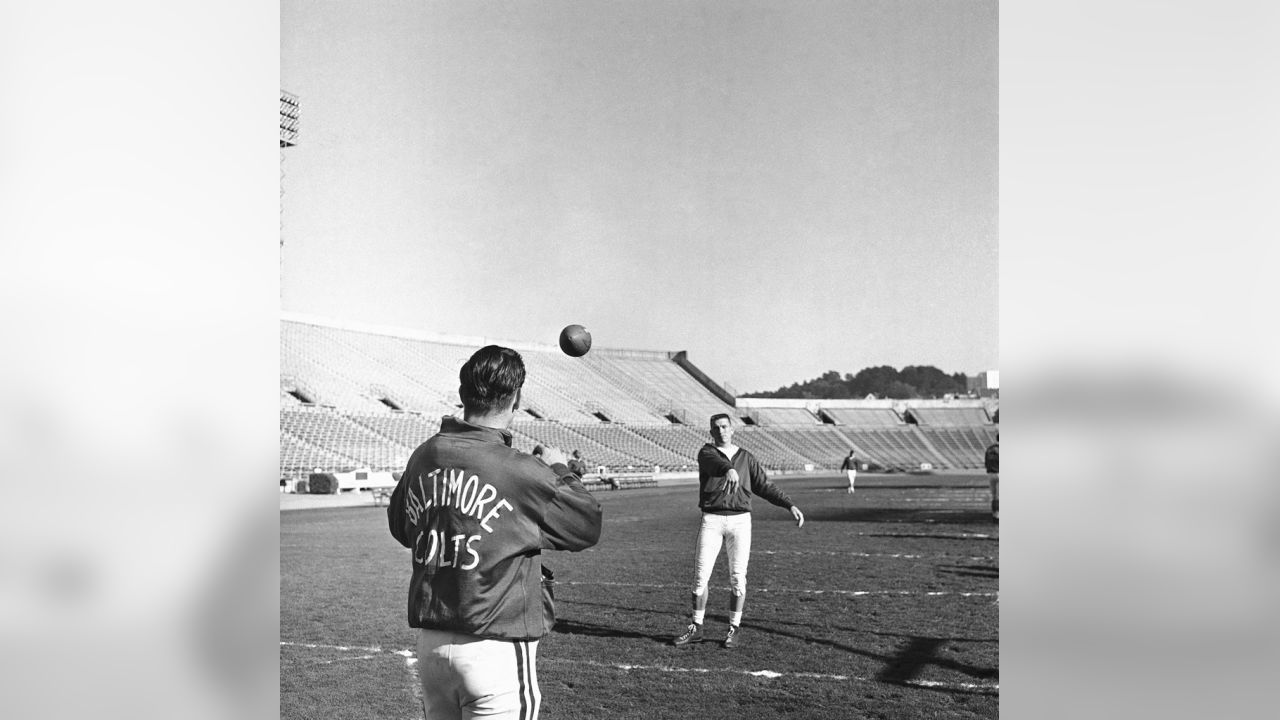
{"type": "Point", "coordinates": [850, 468]}
{"type": "Point", "coordinates": [727, 478]}
{"type": "Point", "coordinates": [477, 515]}
{"type": "Point", "coordinates": [993, 474]}
{"type": "Point", "coordinates": [577, 464]}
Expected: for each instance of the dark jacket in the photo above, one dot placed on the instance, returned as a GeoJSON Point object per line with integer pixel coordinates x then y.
{"type": "Point", "coordinates": [714, 494]}
{"type": "Point", "coordinates": [992, 458]}
{"type": "Point", "coordinates": [477, 515]}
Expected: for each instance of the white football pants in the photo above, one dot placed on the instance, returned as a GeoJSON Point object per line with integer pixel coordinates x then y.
{"type": "Point", "coordinates": [734, 533]}
{"type": "Point", "coordinates": [465, 677]}
{"type": "Point", "coordinates": [852, 475]}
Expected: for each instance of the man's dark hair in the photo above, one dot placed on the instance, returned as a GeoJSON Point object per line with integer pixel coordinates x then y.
{"type": "Point", "coordinates": [717, 416]}
{"type": "Point", "coordinates": [490, 379]}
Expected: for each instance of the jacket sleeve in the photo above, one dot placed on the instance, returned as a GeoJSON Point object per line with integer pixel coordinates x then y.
{"type": "Point", "coordinates": [761, 486]}
{"type": "Point", "coordinates": [572, 517]}
{"type": "Point", "coordinates": [397, 521]}
{"type": "Point", "coordinates": [712, 462]}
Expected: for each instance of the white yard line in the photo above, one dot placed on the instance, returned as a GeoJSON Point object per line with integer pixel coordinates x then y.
{"type": "Point", "coordinates": [317, 646]}
{"type": "Point", "coordinates": [331, 661]}
{"type": "Point", "coordinates": [904, 556]}
{"type": "Point", "coordinates": [856, 593]}
{"type": "Point", "coordinates": [410, 668]}
{"type": "Point", "coordinates": [410, 661]}
{"type": "Point", "coordinates": [935, 536]}
{"type": "Point", "coordinates": [770, 674]}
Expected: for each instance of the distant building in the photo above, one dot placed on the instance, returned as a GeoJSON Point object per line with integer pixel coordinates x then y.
{"type": "Point", "coordinates": [984, 384]}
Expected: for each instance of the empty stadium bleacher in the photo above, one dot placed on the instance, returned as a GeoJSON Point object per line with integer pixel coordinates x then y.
{"type": "Point", "coordinates": [355, 398]}
{"type": "Point", "coordinates": [784, 416]}
{"type": "Point", "coordinates": [897, 448]}
{"type": "Point", "coordinates": [864, 417]}
{"type": "Point", "coordinates": [949, 416]}
{"type": "Point", "coordinates": [962, 447]}
{"type": "Point", "coordinates": [770, 451]}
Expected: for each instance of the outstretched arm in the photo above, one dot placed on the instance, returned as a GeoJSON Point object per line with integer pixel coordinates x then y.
{"type": "Point", "coordinates": [761, 486]}
{"type": "Point", "coordinates": [402, 515]}
{"type": "Point", "coordinates": [572, 517]}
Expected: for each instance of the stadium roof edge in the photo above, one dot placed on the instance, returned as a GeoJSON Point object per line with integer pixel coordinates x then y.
{"type": "Point", "coordinates": [467, 340]}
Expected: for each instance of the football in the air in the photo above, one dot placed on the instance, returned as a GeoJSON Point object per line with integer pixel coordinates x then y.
{"type": "Point", "coordinates": [575, 341]}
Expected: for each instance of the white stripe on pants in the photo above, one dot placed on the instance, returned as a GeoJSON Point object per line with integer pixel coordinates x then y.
{"type": "Point", "coordinates": [734, 532]}
{"type": "Point", "coordinates": [464, 676]}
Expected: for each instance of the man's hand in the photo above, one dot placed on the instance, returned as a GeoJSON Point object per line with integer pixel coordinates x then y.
{"type": "Point", "coordinates": [731, 480]}
{"type": "Point", "coordinates": [552, 455]}
{"type": "Point", "coordinates": [799, 516]}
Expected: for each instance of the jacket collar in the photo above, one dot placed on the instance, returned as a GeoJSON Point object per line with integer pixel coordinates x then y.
{"type": "Point", "coordinates": [457, 427]}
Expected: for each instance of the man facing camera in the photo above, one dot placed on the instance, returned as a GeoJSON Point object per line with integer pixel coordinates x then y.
{"type": "Point", "coordinates": [728, 477]}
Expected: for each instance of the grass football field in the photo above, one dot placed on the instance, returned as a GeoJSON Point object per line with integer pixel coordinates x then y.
{"type": "Point", "coordinates": [884, 605]}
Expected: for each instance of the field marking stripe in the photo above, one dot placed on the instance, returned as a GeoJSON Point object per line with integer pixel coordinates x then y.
{"type": "Point", "coordinates": [415, 683]}
{"type": "Point", "coordinates": [410, 660]}
{"type": "Point", "coordinates": [771, 674]}
{"type": "Point", "coordinates": [344, 648]}
{"type": "Point", "coordinates": [856, 593]}
{"type": "Point", "coordinates": [344, 659]}
{"type": "Point", "coordinates": [845, 553]}
{"type": "Point", "coordinates": [935, 536]}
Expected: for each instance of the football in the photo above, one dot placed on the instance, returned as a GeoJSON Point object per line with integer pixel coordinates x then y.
{"type": "Point", "coordinates": [575, 341]}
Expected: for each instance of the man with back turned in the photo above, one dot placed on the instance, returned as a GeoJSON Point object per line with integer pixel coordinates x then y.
{"type": "Point", "coordinates": [477, 515]}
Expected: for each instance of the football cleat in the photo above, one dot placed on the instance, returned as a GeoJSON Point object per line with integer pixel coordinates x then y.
{"type": "Point", "coordinates": [691, 634]}
{"type": "Point", "coordinates": [732, 639]}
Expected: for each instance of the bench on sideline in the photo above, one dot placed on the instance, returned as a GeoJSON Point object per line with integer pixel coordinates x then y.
{"type": "Point", "coordinates": [618, 481]}
{"type": "Point", "coordinates": [381, 495]}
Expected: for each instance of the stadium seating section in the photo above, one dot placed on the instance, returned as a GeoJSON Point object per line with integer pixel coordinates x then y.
{"type": "Point", "coordinates": [363, 399]}
{"type": "Point", "coordinates": [784, 416]}
{"type": "Point", "coordinates": [865, 417]}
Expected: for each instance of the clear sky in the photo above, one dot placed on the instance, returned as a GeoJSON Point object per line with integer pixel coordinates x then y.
{"type": "Point", "coordinates": [779, 188]}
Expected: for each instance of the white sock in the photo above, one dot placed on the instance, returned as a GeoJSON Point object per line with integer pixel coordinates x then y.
{"type": "Point", "coordinates": [735, 618]}
{"type": "Point", "coordinates": [698, 617]}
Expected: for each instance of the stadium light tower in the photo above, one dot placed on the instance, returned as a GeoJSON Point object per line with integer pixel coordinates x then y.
{"type": "Point", "coordinates": [288, 138]}
{"type": "Point", "coordinates": [288, 119]}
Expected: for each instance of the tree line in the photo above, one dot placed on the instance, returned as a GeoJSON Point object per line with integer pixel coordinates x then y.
{"type": "Point", "coordinates": [912, 381]}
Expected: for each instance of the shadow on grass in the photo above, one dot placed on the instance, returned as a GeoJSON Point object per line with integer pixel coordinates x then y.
{"type": "Point", "coordinates": [906, 664]}
{"type": "Point", "coordinates": [982, 571]}
{"type": "Point", "coordinates": [919, 652]}
{"type": "Point", "coordinates": [966, 516]}
{"type": "Point", "coordinates": [577, 627]}
{"type": "Point", "coordinates": [900, 668]}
